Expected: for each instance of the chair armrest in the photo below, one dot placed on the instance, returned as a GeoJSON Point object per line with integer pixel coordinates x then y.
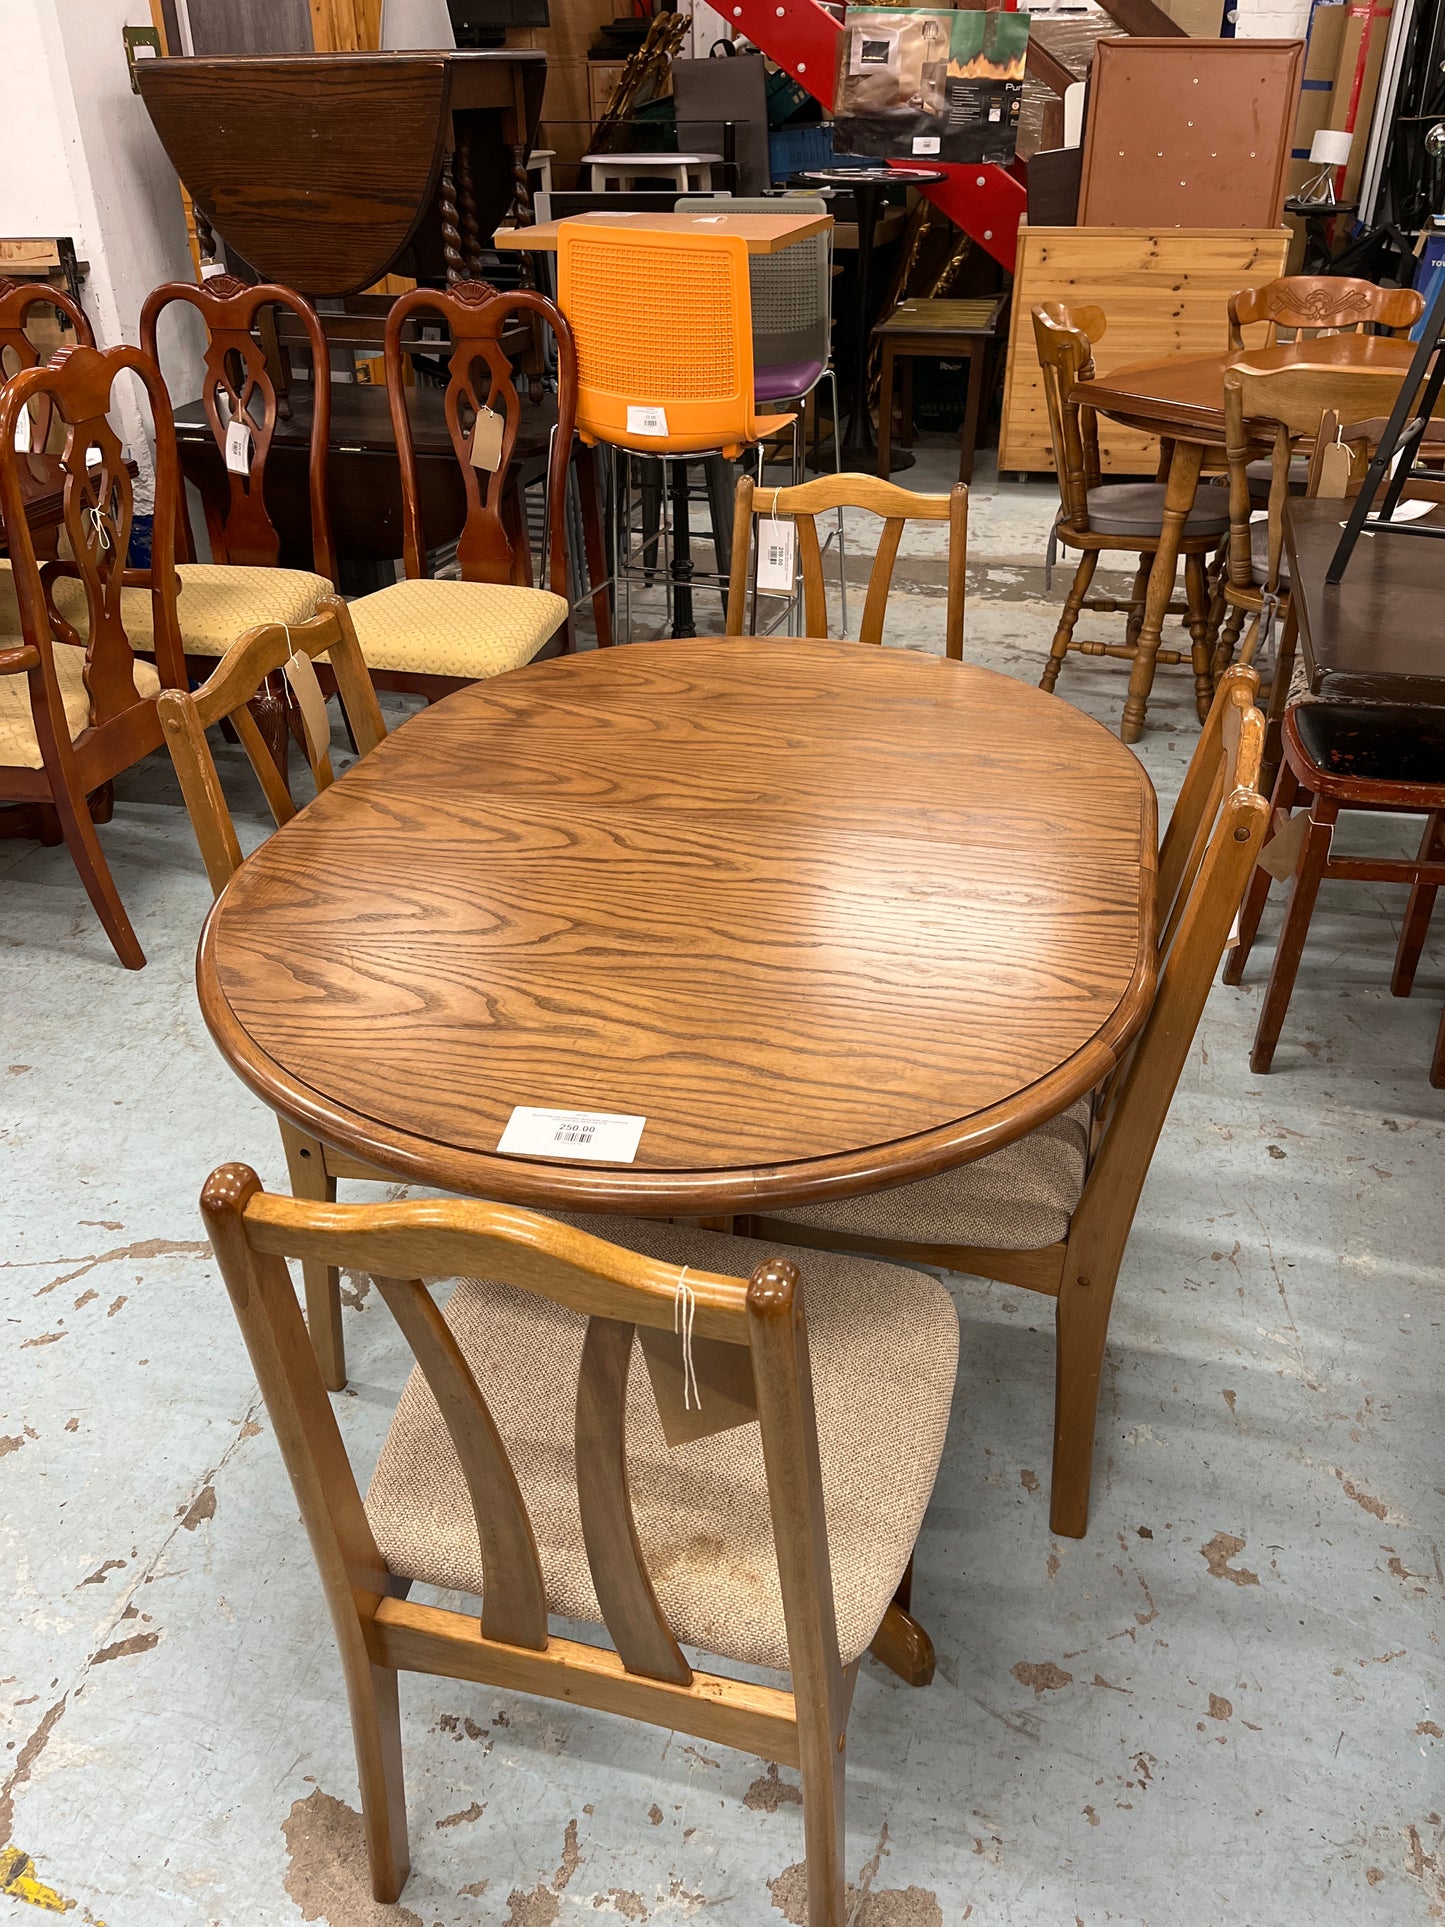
{"type": "Point", "coordinates": [19, 662]}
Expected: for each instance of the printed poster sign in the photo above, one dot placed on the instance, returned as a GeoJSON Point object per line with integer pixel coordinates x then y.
{"type": "Point", "coordinates": [930, 84]}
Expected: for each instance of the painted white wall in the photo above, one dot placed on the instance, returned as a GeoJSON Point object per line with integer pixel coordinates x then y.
{"type": "Point", "coordinates": [78, 156]}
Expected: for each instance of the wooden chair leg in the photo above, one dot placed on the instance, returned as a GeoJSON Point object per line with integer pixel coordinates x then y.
{"type": "Point", "coordinates": [306, 1164]}
{"type": "Point", "coordinates": [1287, 638]}
{"type": "Point", "coordinates": [1298, 911]}
{"type": "Point", "coordinates": [593, 545]}
{"type": "Point", "coordinates": [1418, 911]}
{"type": "Point", "coordinates": [376, 1733]}
{"type": "Point", "coordinates": [1063, 635]}
{"type": "Point", "coordinates": [1081, 1326]}
{"type": "Point", "coordinates": [1136, 599]}
{"type": "Point", "coordinates": [824, 1766]}
{"type": "Point", "coordinates": [94, 872]}
{"type": "Point", "coordinates": [904, 1647]}
{"type": "Point", "coordinates": [1437, 1066]}
{"type": "Point", "coordinates": [907, 429]}
{"type": "Point", "coordinates": [973, 408]}
{"type": "Point", "coordinates": [1196, 596]}
{"type": "Point", "coordinates": [1286, 791]}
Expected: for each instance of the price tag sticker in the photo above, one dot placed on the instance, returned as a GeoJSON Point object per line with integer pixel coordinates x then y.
{"type": "Point", "coordinates": [927, 144]}
{"type": "Point", "coordinates": [487, 440]}
{"type": "Point", "coordinates": [22, 432]}
{"type": "Point", "coordinates": [776, 541]}
{"type": "Point", "coordinates": [605, 1137]}
{"type": "Point", "coordinates": [238, 448]}
{"type": "Point", "coordinates": [646, 421]}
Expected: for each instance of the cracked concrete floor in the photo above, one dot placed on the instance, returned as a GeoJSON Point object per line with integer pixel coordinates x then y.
{"type": "Point", "coordinates": [1224, 1705]}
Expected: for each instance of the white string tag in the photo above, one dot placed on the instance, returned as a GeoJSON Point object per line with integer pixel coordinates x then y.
{"type": "Point", "coordinates": [100, 523]}
{"type": "Point", "coordinates": [684, 1310]}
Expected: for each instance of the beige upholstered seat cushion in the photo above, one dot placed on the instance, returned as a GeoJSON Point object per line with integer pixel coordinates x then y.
{"type": "Point", "coordinates": [884, 1348]}
{"type": "Point", "coordinates": [215, 606]}
{"type": "Point", "coordinates": [1018, 1199]}
{"type": "Point", "coordinates": [471, 629]}
{"type": "Point", "coordinates": [1137, 508]}
{"type": "Point", "coordinates": [19, 746]}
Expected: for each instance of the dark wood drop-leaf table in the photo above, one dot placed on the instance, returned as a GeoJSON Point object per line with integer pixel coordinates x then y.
{"type": "Point", "coordinates": [829, 917]}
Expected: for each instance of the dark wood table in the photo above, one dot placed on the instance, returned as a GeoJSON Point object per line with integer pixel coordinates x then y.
{"type": "Point", "coordinates": [1378, 635]}
{"type": "Point", "coordinates": [1182, 402]}
{"type": "Point", "coordinates": [42, 482]}
{"type": "Point", "coordinates": [828, 916]}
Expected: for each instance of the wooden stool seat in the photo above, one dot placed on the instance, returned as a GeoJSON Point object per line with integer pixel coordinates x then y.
{"type": "Point", "coordinates": [948, 329]}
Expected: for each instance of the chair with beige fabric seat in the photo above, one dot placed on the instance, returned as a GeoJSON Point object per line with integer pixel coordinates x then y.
{"type": "Point", "coordinates": [429, 637]}
{"type": "Point", "coordinates": [536, 1461]}
{"type": "Point", "coordinates": [74, 715]}
{"type": "Point", "coordinates": [1052, 1212]}
{"type": "Point", "coordinates": [1097, 516]}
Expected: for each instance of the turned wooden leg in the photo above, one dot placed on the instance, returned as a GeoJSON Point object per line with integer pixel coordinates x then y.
{"type": "Point", "coordinates": [1059, 648]}
{"type": "Point", "coordinates": [1136, 599]}
{"type": "Point", "coordinates": [1184, 467]}
{"type": "Point", "coordinates": [94, 872]}
{"type": "Point", "coordinates": [1196, 596]}
{"type": "Point", "coordinates": [1418, 911]}
{"type": "Point", "coordinates": [306, 1163]}
{"type": "Point", "coordinates": [1303, 890]}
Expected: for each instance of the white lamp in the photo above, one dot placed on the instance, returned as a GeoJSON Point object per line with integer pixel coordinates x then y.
{"type": "Point", "coordinates": [413, 26]}
{"type": "Point", "coordinates": [1329, 149]}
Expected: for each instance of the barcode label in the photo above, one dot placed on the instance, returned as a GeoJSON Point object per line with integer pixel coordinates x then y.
{"type": "Point", "coordinates": [646, 421]}
{"type": "Point", "coordinates": [775, 556]}
{"type": "Point", "coordinates": [238, 448]}
{"type": "Point", "coordinates": [608, 1137]}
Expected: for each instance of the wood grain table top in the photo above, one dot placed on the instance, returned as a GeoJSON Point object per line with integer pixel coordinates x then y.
{"type": "Point", "coordinates": [1184, 398]}
{"type": "Point", "coordinates": [1376, 636]}
{"type": "Point", "coordinates": [764, 233]}
{"type": "Point", "coordinates": [828, 916]}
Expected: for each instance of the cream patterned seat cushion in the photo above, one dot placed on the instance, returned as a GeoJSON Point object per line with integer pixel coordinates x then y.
{"type": "Point", "coordinates": [1018, 1199]}
{"type": "Point", "coordinates": [216, 604]}
{"type": "Point", "coordinates": [884, 1348]}
{"type": "Point", "coordinates": [19, 746]}
{"type": "Point", "coordinates": [468, 629]}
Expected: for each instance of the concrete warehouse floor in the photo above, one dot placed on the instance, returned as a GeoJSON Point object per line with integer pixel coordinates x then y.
{"type": "Point", "coordinates": [1227, 1704]}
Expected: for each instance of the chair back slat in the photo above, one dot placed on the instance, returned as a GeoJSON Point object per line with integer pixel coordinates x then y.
{"type": "Point", "coordinates": [514, 1606]}
{"type": "Point", "coordinates": [480, 376]}
{"type": "Point", "coordinates": [240, 384]}
{"type": "Point", "coordinates": [1306, 305]}
{"type": "Point", "coordinates": [1064, 338]}
{"type": "Point", "coordinates": [18, 301]}
{"type": "Point", "coordinates": [260, 653]}
{"type": "Point", "coordinates": [803, 504]}
{"type": "Point", "coordinates": [616, 1290]}
{"type": "Point", "coordinates": [624, 1591]}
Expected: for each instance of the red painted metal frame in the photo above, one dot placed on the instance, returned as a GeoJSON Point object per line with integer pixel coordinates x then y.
{"type": "Point", "coordinates": [985, 200]}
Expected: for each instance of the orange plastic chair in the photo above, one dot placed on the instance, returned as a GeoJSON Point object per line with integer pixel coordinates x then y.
{"type": "Point", "coordinates": [663, 324]}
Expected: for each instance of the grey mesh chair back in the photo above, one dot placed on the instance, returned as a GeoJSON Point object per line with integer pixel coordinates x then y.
{"type": "Point", "coordinates": [791, 290]}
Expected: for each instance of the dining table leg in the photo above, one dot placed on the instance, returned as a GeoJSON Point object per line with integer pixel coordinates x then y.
{"type": "Point", "coordinates": [1184, 465]}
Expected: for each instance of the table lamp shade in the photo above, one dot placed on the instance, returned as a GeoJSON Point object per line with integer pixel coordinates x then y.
{"type": "Point", "coordinates": [416, 25]}
{"type": "Point", "coordinates": [1331, 147]}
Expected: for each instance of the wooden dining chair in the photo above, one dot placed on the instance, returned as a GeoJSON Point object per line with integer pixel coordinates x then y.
{"type": "Point", "coordinates": [74, 714]}
{"type": "Point", "coordinates": [1098, 517]}
{"type": "Point", "coordinates": [803, 504]}
{"type": "Point", "coordinates": [1314, 304]}
{"type": "Point", "coordinates": [430, 637]}
{"type": "Point", "coordinates": [531, 1464]}
{"type": "Point", "coordinates": [1379, 757]}
{"type": "Point", "coordinates": [1052, 1212]}
{"type": "Point", "coordinates": [260, 657]}
{"type": "Point", "coordinates": [21, 304]}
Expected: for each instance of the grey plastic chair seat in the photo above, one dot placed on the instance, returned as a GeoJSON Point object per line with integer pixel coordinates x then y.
{"type": "Point", "coordinates": [1137, 508]}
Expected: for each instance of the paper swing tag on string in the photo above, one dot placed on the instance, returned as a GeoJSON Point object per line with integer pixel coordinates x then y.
{"type": "Point", "coordinates": [487, 440]}
{"type": "Point", "coordinates": [1334, 476]}
{"type": "Point", "coordinates": [1280, 855]}
{"type": "Point", "coordinates": [238, 447]}
{"type": "Point", "coordinates": [300, 672]}
{"type": "Point", "coordinates": [702, 1386]}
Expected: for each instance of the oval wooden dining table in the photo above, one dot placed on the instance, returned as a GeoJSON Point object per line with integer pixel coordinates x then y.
{"type": "Point", "coordinates": [827, 916]}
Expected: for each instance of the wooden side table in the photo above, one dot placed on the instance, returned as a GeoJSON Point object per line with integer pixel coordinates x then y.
{"type": "Point", "coordinates": [950, 330]}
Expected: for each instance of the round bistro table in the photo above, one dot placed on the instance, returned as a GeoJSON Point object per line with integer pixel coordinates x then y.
{"type": "Point", "coordinates": [1182, 402]}
{"type": "Point", "coordinates": [828, 916]}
